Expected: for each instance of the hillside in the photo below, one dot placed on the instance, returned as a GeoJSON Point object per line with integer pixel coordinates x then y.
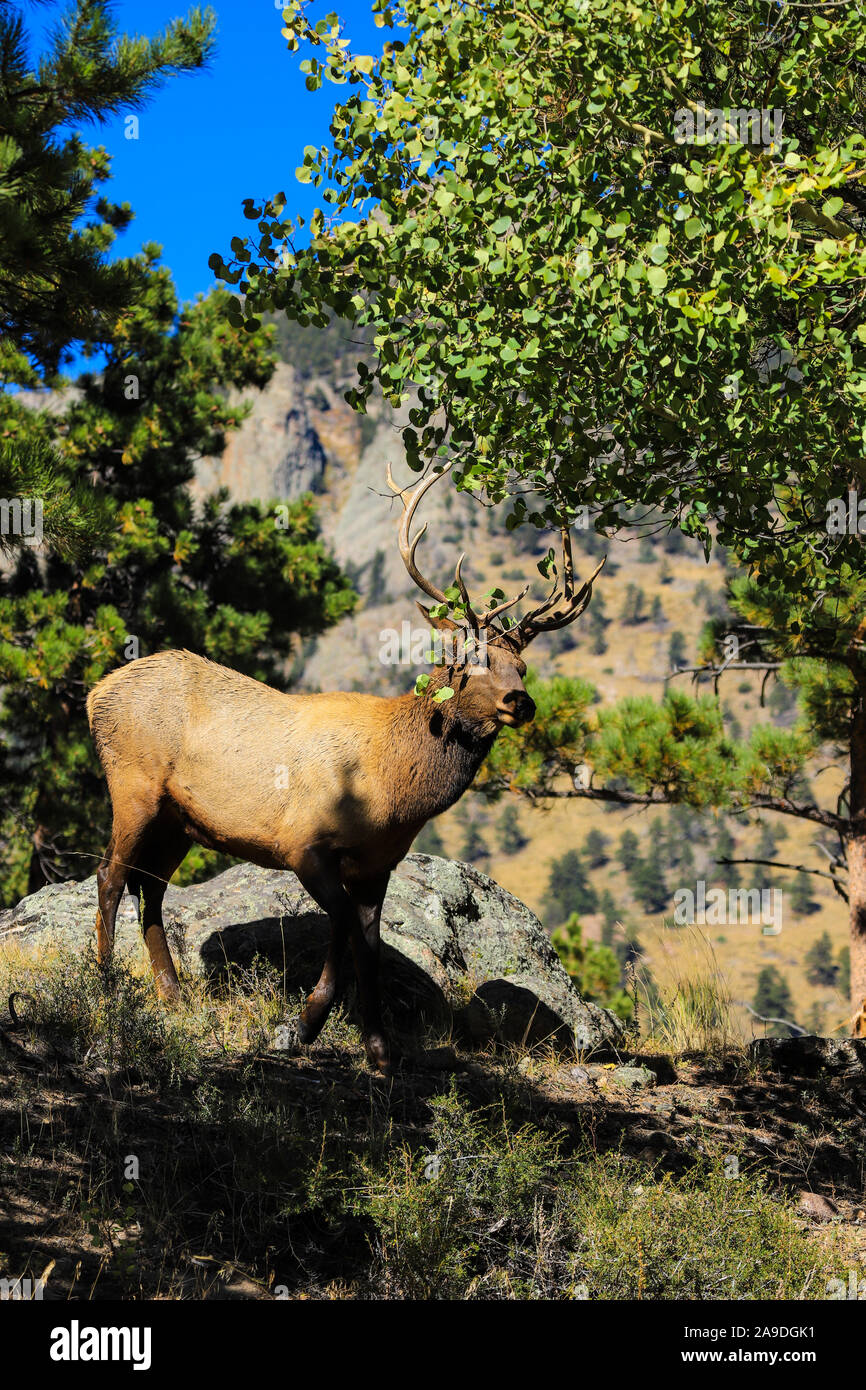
{"type": "Point", "coordinates": [148, 1155]}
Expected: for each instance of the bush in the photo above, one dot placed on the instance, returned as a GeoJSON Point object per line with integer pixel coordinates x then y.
{"type": "Point", "coordinates": [112, 1016]}
{"type": "Point", "coordinates": [494, 1212]}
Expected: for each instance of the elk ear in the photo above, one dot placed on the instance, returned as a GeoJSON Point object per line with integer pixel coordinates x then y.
{"type": "Point", "coordinates": [443, 624]}
{"type": "Point", "coordinates": [513, 640]}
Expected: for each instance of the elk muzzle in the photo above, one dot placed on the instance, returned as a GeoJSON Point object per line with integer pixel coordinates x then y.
{"type": "Point", "coordinates": [515, 708]}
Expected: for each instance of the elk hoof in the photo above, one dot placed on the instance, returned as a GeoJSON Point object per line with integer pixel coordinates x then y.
{"type": "Point", "coordinates": [168, 991]}
{"type": "Point", "coordinates": [379, 1054]}
{"type": "Point", "coordinates": [307, 1031]}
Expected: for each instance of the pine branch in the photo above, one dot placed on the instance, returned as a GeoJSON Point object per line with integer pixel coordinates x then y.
{"type": "Point", "coordinates": [796, 868]}
{"type": "Point", "coordinates": [785, 1022]}
{"type": "Point", "coordinates": [658, 797]}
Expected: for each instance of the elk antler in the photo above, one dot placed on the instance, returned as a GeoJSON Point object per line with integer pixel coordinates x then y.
{"type": "Point", "coordinates": [549, 615]}
{"type": "Point", "coordinates": [407, 546]}
{"type": "Point", "coordinates": [560, 608]}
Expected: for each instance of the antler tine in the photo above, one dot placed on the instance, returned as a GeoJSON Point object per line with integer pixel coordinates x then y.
{"type": "Point", "coordinates": [501, 607]}
{"type": "Point", "coordinates": [567, 581]}
{"type": "Point", "coordinates": [568, 563]}
{"type": "Point", "coordinates": [575, 603]}
{"type": "Point", "coordinates": [407, 546]}
{"type": "Point", "coordinates": [561, 607]}
{"type": "Point", "coordinates": [471, 615]}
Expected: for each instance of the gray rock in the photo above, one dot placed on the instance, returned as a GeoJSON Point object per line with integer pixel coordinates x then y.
{"type": "Point", "coordinates": [458, 950]}
{"type": "Point", "coordinates": [634, 1078]}
{"type": "Point", "coordinates": [809, 1055]}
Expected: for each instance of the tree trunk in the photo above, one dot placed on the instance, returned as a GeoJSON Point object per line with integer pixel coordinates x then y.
{"type": "Point", "coordinates": [857, 866]}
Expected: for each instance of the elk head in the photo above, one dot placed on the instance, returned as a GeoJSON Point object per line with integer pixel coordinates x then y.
{"type": "Point", "coordinates": [488, 671]}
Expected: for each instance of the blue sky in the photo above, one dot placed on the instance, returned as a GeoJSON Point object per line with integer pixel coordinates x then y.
{"type": "Point", "coordinates": [235, 130]}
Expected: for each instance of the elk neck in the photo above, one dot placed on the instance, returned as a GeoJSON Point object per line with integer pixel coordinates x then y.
{"type": "Point", "coordinates": [440, 750]}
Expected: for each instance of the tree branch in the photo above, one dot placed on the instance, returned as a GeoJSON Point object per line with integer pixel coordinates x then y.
{"type": "Point", "coordinates": [797, 868]}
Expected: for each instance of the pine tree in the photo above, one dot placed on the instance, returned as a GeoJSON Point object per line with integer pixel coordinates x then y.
{"type": "Point", "coordinates": [676, 650]}
{"type": "Point", "coordinates": [845, 971]}
{"type": "Point", "coordinates": [377, 589]}
{"type": "Point", "coordinates": [634, 606]}
{"type": "Point", "coordinates": [770, 838]}
{"type": "Point", "coordinates": [473, 846]}
{"type": "Point", "coordinates": [568, 888]}
{"type": "Point", "coordinates": [595, 848]}
{"type": "Point", "coordinates": [821, 968]}
{"type": "Point", "coordinates": [597, 622]}
{"type": "Point", "coordinates": [629, 850]}
{"type": "Point", "coordinates": [57, 284]}
{"type": "Point", "coordinates": [429, 841]}
{"type": "Point", "coordinates": [725, 848]}
{"type": "Point", "coordinates": [594, 969]}
{"type": "Point", "coordinates": [236, 583]}
{"type": "Point", "coordinates": [648, 884]}
{"type": "Point", "coordinates": [609, 916]}
{"type": "Point", "coordinates": [773, 1000]}
{"type": "Point", "coordinates": [511, 838]}
{"type": "Point", "coordinates": [801, 895]}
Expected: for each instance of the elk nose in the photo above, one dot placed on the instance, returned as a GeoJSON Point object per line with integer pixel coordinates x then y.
{"type": "Point", "coordinates": [518, 705]}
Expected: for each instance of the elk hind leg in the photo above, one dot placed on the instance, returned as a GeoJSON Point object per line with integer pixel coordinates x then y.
{"type": "Point", "coordinates": [115, 866]}
{"type": "Point", "coordinates": [159, 859]}
{"type": "Point", "coordinates": [319, 874]}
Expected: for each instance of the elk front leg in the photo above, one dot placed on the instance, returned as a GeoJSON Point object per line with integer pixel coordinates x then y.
{"type": "Point", "coordinates": [321, 998]}
{"type": "Point", "coordinates": [366, 950]}
{"type": "Point", "coordinates": [319, 874]}
{"type": "Point", "coordinates": [354, 917]}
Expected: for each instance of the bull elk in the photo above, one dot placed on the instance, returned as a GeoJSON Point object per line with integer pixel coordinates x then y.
{"type": "Point", "coordinates": [191, 750]}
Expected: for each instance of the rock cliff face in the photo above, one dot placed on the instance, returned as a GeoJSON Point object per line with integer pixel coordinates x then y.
{"type": "Point", "coordinates": [296, 431]}
{"type": "Point", "coordinates": [459, 951]}
{"type": "Point", "coordinates": [302, 436]}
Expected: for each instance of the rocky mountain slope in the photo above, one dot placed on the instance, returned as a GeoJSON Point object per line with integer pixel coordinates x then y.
{"type": "Point", "coordinates": [656, 592]}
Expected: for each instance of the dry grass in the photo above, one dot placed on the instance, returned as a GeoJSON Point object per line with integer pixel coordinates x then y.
{"type": "Point", "coordinates": [262, 1171]}
{"type": "Point", "coordinates": [693, 1012]}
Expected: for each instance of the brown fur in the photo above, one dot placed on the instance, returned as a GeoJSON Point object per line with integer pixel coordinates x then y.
{"type": "Point", "coordinates": [364, 772]}
{"type": "Point", "coordinates": [333, 786]}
